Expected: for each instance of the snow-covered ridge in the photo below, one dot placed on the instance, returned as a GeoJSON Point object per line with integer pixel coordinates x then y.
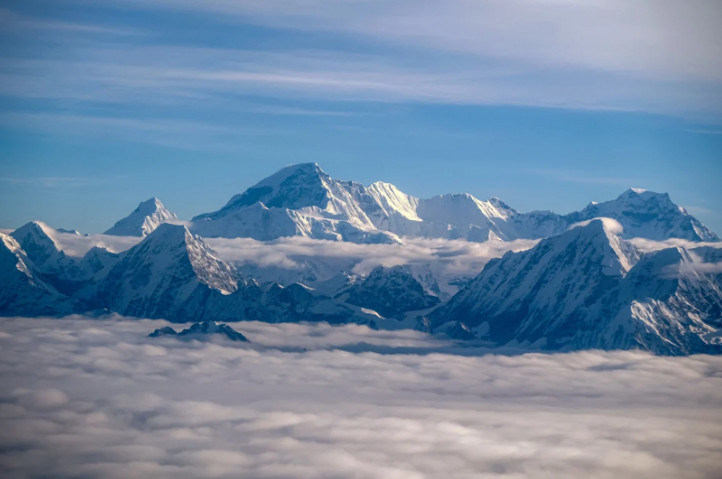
{"type": "Point", "coordinates": [302, 246]}
{"type": "Point", "coordinates": [302, 200]}
{"type": "Point", "coordinates": [588, 288]}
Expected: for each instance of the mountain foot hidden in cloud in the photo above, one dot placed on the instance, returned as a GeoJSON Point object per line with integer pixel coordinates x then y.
{"type": "Point", "coordinates": [201, 330]}
{"type": "Point", "coordinates": [584, 285]}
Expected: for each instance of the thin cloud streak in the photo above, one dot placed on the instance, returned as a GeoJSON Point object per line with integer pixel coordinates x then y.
{"type": "Point", "coordinates": [208, 77]}
{"type": "Point", "coordinates": [668, 39]}
{"type": "Point", "coordinates": [11, 21]}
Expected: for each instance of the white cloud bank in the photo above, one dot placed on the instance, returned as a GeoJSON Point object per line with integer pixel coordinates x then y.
{"type": "Point", "coordinates": [292, 259]}
{"type": "Point", "coordinates": [95, 398]}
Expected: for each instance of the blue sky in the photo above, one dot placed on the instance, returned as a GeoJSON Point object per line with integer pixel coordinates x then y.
{"type": "Point", "coordinates": [547, 104]}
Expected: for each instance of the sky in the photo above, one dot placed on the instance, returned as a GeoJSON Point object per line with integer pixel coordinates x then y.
{"type": "Point", "coordinates": [547, 104]}
{"type": "Point", "coordinates": [96, 398]}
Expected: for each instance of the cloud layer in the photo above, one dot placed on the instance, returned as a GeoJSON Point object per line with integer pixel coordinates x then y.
{"type": "Point", "coordinates": [95, 398]}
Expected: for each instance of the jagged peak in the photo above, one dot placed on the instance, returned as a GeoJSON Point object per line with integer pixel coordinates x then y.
{"type": "Point", "coordinates": [37, 227]}
{"type": "Point", "coordinates": [38, 232]}
{"type": "Point", "coordinates": [169, 240]}
{"type": "Point", "coordinates": [642, 194]}
{"type": "Point", "coordinates": [622, 255]}
{"type": "Point", "coordinates": [498, 203]}
{"type": "Point", "coordinates": [169, 232]}
{"type": "Point", "coordinates": [150, 206]}
{"type": "Point", "coordinates": [143, 219]}
{"type": "Point", "coordinates": [302, 171]}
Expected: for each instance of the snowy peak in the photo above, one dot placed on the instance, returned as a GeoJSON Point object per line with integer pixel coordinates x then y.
{"type": "Point", "coordinates": [166, 275]}
{"type": "Point", "coordinates": [302, 200]}
{"type": "Point", "coordinates": [620, 255]}
{"type": "Point", "coordinates": [544, 292]}
{"type": "Point", "coordinates": [143, 220]}
{"type": "Point", "coordinates": [647, 214]}
{"type": "Point", "coordinates": [587, 288]}
{"type": "Point", "coordinates": [36, 232]}
{"type": "Point", "coordinates": [175, 247]}
{"type": "Point", "coordinates": [293, 187]}
{"type": "Point", "coordinates": [23, 290]}
{"type": "Point", "coordinates": [38, 242]}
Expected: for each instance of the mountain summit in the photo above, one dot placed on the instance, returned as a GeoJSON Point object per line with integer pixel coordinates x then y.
{"type": "Point", "coordinates": [143, 220]}
{"type": "Point", "coordinates": [300, 200]}
{"type": "Point", "coordinates": [303, 200]}
{"type": "Point", "coordinates": [588, 288]}
{"type": "Point", "coordinates": [647, 214]}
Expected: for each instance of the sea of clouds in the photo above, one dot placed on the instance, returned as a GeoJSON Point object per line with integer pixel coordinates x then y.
{"type": "Point", "coordinates": [96, 398]}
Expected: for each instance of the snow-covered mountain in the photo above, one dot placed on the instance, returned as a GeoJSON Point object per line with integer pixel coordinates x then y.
{"type": "Point", "coordinates": [645, 214]}
{"type": "Point", "coordinates": [583, 286]}
{"type": "Point", "coordinates": [143, 220]}
{"type": "Point", "coordinates": [587, 288]}
{"type": "Point", "coordinates": [171, 274]}
{"type": "Point", "coordinates": [200, 331]}
{"type": "Point", "coordinates": [391, 292]}
{"type": "Point", "coordinates": [23, 290]}
{"type": "Point", "coordinates": [302, 200]}
{"type": "Point", "coordinates": [37, 240]}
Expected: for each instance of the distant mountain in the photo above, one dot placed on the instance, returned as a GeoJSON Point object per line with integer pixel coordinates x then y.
{"type": "Point", "coordinates": [588, 288]}
{"type": "Point", "coordinates": [582, 286]}
{"type": "Point", "coordinates": [302, 200]}
{"type": "Point", "coordinates": [38, 241]}
{"type": "Point", "coordinates": [201, 330]}
{"type": "Point", "coordinates": [391, 292]}
{"type": "Point", "coordinates": [173, 274]}
{"type": "Point", "coordinates": [645, 214]}
{"type": "Point", "coordinates": [23, 290]}
{"type": "Point", "coordinates": [143, 220]}
{"type": "Point", "coordinates": [169, 274]}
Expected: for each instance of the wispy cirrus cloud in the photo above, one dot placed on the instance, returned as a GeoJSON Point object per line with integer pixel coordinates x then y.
{"type": "Point", "coordinates": [647, 37]}
{"type": "Point", "coordinates": [11, 20]}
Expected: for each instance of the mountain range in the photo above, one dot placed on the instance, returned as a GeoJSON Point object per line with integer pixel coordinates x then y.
{"type": "Point", "coordinates": [302, 200]}
{"type": "Point", "coordinates": [583, 285]}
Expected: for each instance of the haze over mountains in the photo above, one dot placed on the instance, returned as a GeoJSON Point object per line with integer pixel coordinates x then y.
{"type": "Point", "coordinates": [584, 285]}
